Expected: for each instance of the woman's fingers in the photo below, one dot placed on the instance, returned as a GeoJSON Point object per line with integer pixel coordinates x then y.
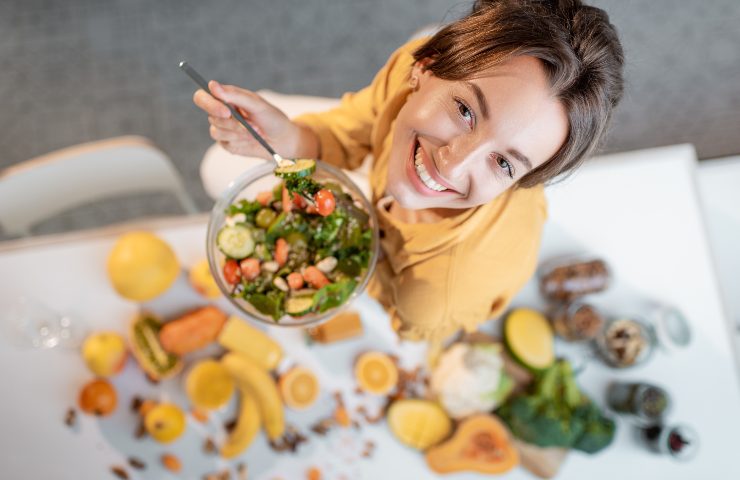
{"type": "Point", "coordinates": [210, 105]}
{"type": "Point", "coordinates": [226, 124]}
{"type": "Point", "coordinates": [220, 134]}
{"type": "Point", "coordinates": [246, 99]}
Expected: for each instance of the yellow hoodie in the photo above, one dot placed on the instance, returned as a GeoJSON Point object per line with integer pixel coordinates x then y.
{"type": "Point", "coordinates": [435, 278]}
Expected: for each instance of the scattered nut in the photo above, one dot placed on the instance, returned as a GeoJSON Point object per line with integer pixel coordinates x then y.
{"type": "Point", "coordinates": [200, 415]}
{"type": "Point", "coordinates": [327, 264]}
{"type": "Point", "coordinates": [241, 471]}
{"type": "Point", "coordinates": [70, 419]}
{"type": "Point", "coordinates": [271, 267]}
{"type": "Point", "coordinates": [209, 446]}
{"type": "Point", "coordinates": [281, 284]}
{"type": "Point", "coordinates": [230, 425]}
{"type": "Point", "coordinates": [369, 449]}
{"type": "Point", "coordinates": [119, 472]}
{"type": "Point", "coordinates": [313, 473]}
{"type": "Point", "coordinates": [136, 403]}
{"type": "Point", "coordinates": [171, 462]}
{"type": "Point", "coordinates": [140, 431]}
{"type": "Point", "coordinates": [323, 426]}
{"type": "Point", "coordinates": [136, 463]}
{"type": "Point", "coordinates": [146, 406]}
{"type": "Point", "coordinates": [223, 475]}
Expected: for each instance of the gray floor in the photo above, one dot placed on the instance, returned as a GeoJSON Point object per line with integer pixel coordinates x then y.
{"type": "Point", "coordinates": [80, 70]}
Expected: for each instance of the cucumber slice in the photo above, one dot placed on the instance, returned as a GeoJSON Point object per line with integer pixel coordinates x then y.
{"type": "Point", "coordinates": [298, 306]}
{"type": "Point", "coordinates": [302, 167]}
{"type": "Point", "coordinates": [235, 242]}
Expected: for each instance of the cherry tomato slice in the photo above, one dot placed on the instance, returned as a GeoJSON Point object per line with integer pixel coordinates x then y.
{"type": "Point", "coordinates": [325, 202]}
{"type": "Point", "coordinates": [231, 271]}
{"type": "Point", "coordinates": [298, 201]}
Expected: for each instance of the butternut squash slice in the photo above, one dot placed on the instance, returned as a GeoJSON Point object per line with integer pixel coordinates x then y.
{"type": "Point", "coordinates": [480, 444]}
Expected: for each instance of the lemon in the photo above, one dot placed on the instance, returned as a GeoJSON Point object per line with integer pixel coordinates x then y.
{"type": "Point", "coordinates": [142, 266]}
{"type": "Point", "coordinates": [209, 385]}
{"type": "Point", "coordinates": [202, 280]}
{"type": "Point", "coordinates": [104, 353]}
{"type": "Point", "coordinates": [165, 422]}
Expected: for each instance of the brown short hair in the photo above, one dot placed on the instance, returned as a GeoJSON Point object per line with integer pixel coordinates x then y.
{"type": "Point", "coordinates": [577, 45]}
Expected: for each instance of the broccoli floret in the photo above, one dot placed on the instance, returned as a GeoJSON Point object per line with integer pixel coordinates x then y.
{"type": "Point", "coordinates": [557, 414]}
{"type": "Point", "coordinates": [598, 430]}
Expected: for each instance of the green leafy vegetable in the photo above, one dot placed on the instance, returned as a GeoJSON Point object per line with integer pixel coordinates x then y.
{"type": "Point", "coordinates": [557, 414]}
{"type": "Point", "coordinates": [270, 303]}
{"type": "Point", "coordinates": [248, 207]}
{"type": "Point", "coordinates": [333, 295]}
{"type": "Point", "coordinates": [302, 186]}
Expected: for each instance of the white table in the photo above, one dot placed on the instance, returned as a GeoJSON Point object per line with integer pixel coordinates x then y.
{"type": "Point", "coordinates": [638, 211]}
{"type": "Point", "coordinates": [720, 201]}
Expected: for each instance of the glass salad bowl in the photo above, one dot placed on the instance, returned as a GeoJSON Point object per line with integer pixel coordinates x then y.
{"type": "Point", "coordinates": [348, 271]}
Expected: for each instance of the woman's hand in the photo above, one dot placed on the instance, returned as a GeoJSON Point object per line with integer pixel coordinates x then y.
{"type": "Point", "coordinates": [290, 140]}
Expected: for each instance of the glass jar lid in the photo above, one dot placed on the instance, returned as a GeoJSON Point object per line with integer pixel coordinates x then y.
{"type": "Point", "coordinates": [672, 329]}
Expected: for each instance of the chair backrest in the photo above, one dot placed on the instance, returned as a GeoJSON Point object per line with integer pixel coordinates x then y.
{"type": "Point", "coordinates": [37, 189]}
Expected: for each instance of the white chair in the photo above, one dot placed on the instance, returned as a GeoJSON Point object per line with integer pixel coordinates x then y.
{"type": "Point", "coordinates": [37, 189]}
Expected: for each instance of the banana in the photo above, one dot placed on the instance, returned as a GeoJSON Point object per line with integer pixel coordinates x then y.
{"type": "Point", "coordinates": [257, 382]}
{"type": "Point", "coordinates": [246, 428]}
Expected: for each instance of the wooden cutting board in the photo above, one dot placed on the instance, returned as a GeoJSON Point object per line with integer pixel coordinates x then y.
{"type": "Point", "coordinates": [542, 462]}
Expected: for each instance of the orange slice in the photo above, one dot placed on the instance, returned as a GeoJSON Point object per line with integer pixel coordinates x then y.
{"type": "Point", "coordinates": [376, 373]}
{"type": "Point", "coordinates": [299, 388]}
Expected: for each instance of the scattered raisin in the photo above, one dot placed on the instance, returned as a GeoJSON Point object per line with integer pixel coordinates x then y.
{"type": "Point", "coordinates": [137, 463]}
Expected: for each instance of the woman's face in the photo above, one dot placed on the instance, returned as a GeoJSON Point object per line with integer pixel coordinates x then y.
{"type": "Point", "coordinates": [459, 144]}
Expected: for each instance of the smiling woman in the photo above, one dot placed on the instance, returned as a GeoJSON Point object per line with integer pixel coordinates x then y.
{"type": "Point", "coordinates": [464, 128]}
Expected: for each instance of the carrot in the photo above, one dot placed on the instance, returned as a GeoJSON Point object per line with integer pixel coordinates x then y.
{"type": "Point", "coordinates": [281, 251]}
{"type": "Point", "coordinates": [264, 198]}
{"type": "Point", "coordinates": [315, 277]}
{"type": "Point", "coordinates": [295, 280]}
{"type": "Point", "coordinates": [250, 268]}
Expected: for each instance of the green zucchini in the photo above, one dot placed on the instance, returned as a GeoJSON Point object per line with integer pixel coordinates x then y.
{"type": "Point", "coordinates": [298, 306]}
{"type": "Point", "coordinates": [236, 242]}
{"type": "Point", "coordinates": [302, 167]}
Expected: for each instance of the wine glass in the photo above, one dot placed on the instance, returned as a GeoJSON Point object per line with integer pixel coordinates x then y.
{"type": "Point", "coordinates": [32, 324]}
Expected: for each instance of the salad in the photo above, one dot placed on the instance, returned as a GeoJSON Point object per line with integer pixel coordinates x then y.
{"type": "Point", "coordinates": [299, 249]}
